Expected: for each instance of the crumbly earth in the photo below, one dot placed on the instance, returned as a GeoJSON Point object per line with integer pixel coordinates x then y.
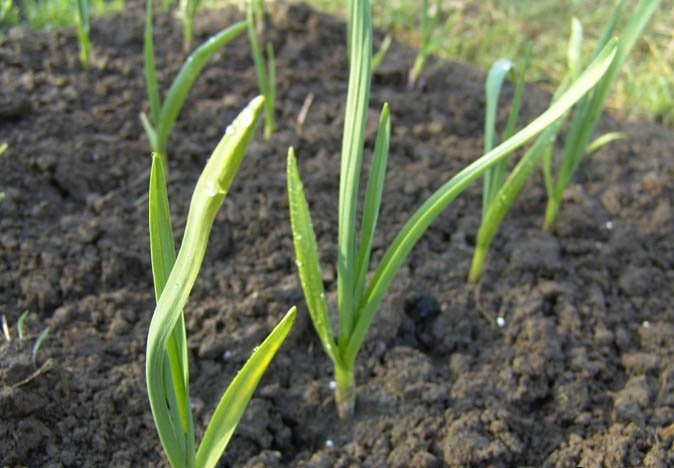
{"type": "Point", "coordinates": [581, 374]}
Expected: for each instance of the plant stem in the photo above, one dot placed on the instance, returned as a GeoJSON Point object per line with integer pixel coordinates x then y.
{"type": "Point", "coordinates": [345, 392]}
{"type": "Point", "coordinates": [479, 258]}
{"type": "Point", "coordinates": [551, 211]}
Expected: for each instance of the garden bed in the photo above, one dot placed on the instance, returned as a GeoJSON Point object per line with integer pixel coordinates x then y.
{"type": "Point", "coordinates": [581, 374]}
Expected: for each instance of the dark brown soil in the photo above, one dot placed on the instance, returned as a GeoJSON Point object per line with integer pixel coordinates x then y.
{"type": "Point", "coordinates": [582, 373]}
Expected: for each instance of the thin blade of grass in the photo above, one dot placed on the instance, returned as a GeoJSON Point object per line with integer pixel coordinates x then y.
{"type": "Point", "coordinates": [235, 399]}
{"type": "Point", "coordinates": [603, 140]}
{"type": "Point", "coordinates": [38, 343]}
{"type": "Point", "coordinates": [306, 253]}
{"type": "Point", "coordinates": [270, 101]}
{"type": "Point", "coordinates": [82, 29]}
{"type": "Point", "coordinates": [493, 178]}
{"type": "Point", "coordinates": [381, 53]}
{"type": "Point", "coordinates": [360, 47]}
{"type": "Point", "coordinates": [150, 68]}
{"type": "Point", "coordinates": [208, 195]}
{"type": "Point", "coordinates": [189, 72]}
{"type": "Point", "coordinates": [506, 195]}
{"type": "Point", "coordinates": [516, 104]}
{"type": "Point", "coordinates": [20, 324]}
{"type": "Point", "coordinates": [162, 253]}
{"type": "Point", "coordinates": [258, 61]}
{"type": "Point", "coordinates": [429, 210]}
{"type": "Point", "coordinates": [149, 131]}
{"type": "Point", "coordinates": [585, 119]}
{"type": "Point", "coordinates": [574, 49]}
{"type": "Point", "coordinates": [373, 194]}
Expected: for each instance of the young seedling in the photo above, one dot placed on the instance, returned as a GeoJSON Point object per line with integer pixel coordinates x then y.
{"type": "Point", "coordinates": [589, 109]}
{"type": "Point", "coordinates": [266, 74]}
{"type": "Point", "coordinates": [358, 300]}
{"type": "Point", "coordinates": [164, 114]}
{"type": "Point", "coordinates": [431, 39]}
{"type": "Point", "coordinates": [188, 10]}
{"type": "Point", "coordinates": [82, 29]}
{"type": "Point", "coordinates": [20, 327]}
{"type": "Point", "coordinates": [378, 57]}
{"type": "Point", "coordinates": [167, 370]}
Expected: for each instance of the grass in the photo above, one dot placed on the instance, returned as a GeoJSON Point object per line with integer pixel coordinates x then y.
{"type": "Point", "coordinates": [265, 71]}
{"type": "Point", "coordinates": [50, 14]}
{"type": "Point", "coordinates": [481, 32]}
{"type": "Point", "coordinates": [163, 114]}
{"type": "Point", "coordinates": [167, 363]}
{"type": "Point", "coordinates": [499, 193]}
{"type": "Point", "coordinates": [357, 299]}
{"type": "Point", "coordinates": [82, 28]}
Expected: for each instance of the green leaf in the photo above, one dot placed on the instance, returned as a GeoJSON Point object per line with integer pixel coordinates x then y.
{"type": "Point", "coordinates": [589, 110]}
{"type": "Point", "coordinates": [258, 60]}
{"type": "Point", "coordinates": [162, 252]}
{"type": "Point", "coordinates": [373, 194]}
{"type": "Point", "coordinates": [493, 178]}
{"type": "Point", "coordinates": [150, 132]}
{"type": "Point", "coordinates": [234, 401]}
{"type": "Point", "coordinates": [574, 50]}
{"type": "Point", "coordinates": [360, 54]}
{"type": "Point", "coordinates": [189, 72]}
{"type": "Point", "coordinates": [306, 253]}
{"type": "Point", "coordinates": [603, 140]}
{"type": "Point", "coordinates": [150, 70]}
{"type": "Point", "coordinates": [429, 210]}
{"type": "Point", "coordinates": [208, 195]}
{"type": "Point", "coordinates": [506, 195]}
{"type": "Point", "coordinates": [381, 53]}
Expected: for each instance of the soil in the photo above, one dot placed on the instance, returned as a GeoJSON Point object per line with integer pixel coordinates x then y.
{"type": "Point", "coordinates": [580, 374]}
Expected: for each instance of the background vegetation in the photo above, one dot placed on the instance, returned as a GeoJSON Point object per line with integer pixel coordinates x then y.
{"type": "Point", "coordinates": [480, 32]}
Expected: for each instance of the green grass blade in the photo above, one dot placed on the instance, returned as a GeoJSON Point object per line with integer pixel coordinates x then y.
{"type": "Point", "coordinates": [306, 253]}
{"type": "Point", "coordinates": [258, 60]}
{"type": "Point", "coordinates": [497, 74]}
{"type": "Point", "coordinates": [234, 401]}
{"type": "Point", "coordinates": [609, 28]}
{"type": "Point", "coordinates": [188, 14]}
{"type": "Point", "coordinates": [266, 75]}
{"type": "Point", "coordinates": [360, 47]}
{"type": "Point", "coordinates": [505, 197]}
{"type": "Point", "coordinates": [20, 324]}
{"type": "Point", "coordinates": [162, 252]}
{"type": "Point", "coordinates": [182, 84]}
{"type": "Point", "coordinates": [150, 69]}
{"type": "Point", "coordinates": [381, 53]}
{"type": "Point", "coordinates": [603, 140]}
{"type": "Point", "coordinates": [574, 49]}
{"type": "Point", "coordinates": [82, 30]}
{"type": "Point", "coordinates": [429, 210]}
{"type": "Point", "coordinates": [588, 113]}
{"type": "Point", "coordinates": [162, 247]}
{"type": "Point", "coordinates": [516, 104]}
{"type": "Point", "coordinates": [38, 343]}
{"type": "Point", "coordinates": [493, 178]}
{"type": "Point", "coordinates": [208, 195]}
{"type": "Point", "coordinates": [373, 194]}
{"type": "Point", "coordinates": [270, 98]}
{"type": "Point", "coordinates": [150, 132]}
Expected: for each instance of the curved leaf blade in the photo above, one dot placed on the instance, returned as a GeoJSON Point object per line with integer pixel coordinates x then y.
{"type": "Point", "coordinates": [306, 253]}
{"type": "Point", "coordinates": [208, 195]}
{"type": "Point", "coordinates": [235, 399]}
{"type": "Point", "coordinates": [373, 194]}
{"type": "Point", "coordinates": [429, 210]}
{"type": "Point", "coordinates": [188, 74]}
